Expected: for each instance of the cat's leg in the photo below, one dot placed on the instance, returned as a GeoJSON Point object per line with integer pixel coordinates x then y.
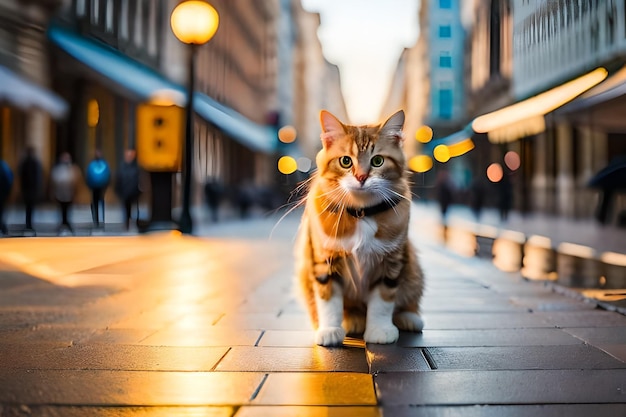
{"type": "Point", "coordinates": [329, 303]}
{"type": "Point", "coordinates": [409, 321]}
{"type": "Point", "coordinates": [353, 320]}
{"type": "Point", "coordinates": [379, 327]}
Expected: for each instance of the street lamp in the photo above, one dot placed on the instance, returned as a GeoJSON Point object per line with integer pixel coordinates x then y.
{"type": "Point", "coordinates": [194, 23]}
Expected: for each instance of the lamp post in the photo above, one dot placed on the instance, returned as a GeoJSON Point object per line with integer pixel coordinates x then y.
{"type": "Point", "coordinates": [193, 22]}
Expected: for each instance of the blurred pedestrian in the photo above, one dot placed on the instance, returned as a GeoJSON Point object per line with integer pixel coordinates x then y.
{"type": "Point", "coordinates": [213, 192]}
{"type": "Point", "coordinates": [31, 180]}
{"type": "Point", "coordinates": [64, 179]}
{"type": "Point", "coordinates": [505, 196]}
{"type": "Point", "coordinates": [6, 183]}
{"type": "Point", "coordinates": [98, 177]}
{"type": "Point", "coordinates": [127, 183]}
{"type": "Point", "coordinates": [445, 192]}
{"type": "Point", "coordinates": [477, 197]}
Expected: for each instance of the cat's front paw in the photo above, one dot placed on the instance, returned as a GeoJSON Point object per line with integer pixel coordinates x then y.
{"type": "Point", "coordinates": [330, 336]}
{"type": "Point", "coordinates": [381, 334]}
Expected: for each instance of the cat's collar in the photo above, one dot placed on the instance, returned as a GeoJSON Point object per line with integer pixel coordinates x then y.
{"type": "Point", "coordinates": [383, 206]}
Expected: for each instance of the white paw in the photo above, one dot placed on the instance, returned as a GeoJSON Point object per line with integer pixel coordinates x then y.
{"type": "Point", "coordinates": [408, 321]}
{"type": "Point", "coordinates": [353, 324]}
{"type": "Point", "coordinates": [330, 336]}
{"type": "Point", "coordinates": [381, 334]}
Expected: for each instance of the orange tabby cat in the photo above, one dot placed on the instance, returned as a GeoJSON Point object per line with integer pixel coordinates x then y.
{"type": "Point", "coordinates": [356, 268]}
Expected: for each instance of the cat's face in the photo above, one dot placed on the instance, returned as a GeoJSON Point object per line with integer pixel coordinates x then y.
{"type": "Point", "coordinates": [361, 165]}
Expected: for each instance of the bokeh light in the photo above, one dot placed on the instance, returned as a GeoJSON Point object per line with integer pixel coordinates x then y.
{"type": "Point", "coordinates": [420, 163]}
{"type": "Point", "coordinates": [424, 134]}
{"type": "Point", "coordinates": [495, 172]}
{"type": "Point", "coordinates": [461, 148]}
{"type": "Point", "coordinates": [287, 165]}
{"type": "Point", "coordinates": [441, 153]}
{"type": "Point", "coordinates": [287, 134]}
{"type": "Point", "coordinates": [304, 164]}
{"type": "Point", "coordinates": [512, 160]}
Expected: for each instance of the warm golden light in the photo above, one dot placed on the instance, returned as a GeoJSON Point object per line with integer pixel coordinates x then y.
{"type": "Point", "coordinates": [93, 113]}
{"type": "Point", "coordinates": [287, 165]}
{"type": "Point", "coordinates": [460, 148]}
{"type": "Point", "coordinates": [287, 134]}
{"type": "Point", "coordinates": [194, 22]}
{"type": "Point", "coordinates": [424, 134]}
{"type": "Point", "coordinates": [420, 163]}
{"type": "Point", "coordinates": [441, 153]}
{"type": "Point", "coordinates": [494, 172]}
{"type": "Point", "coordinates": [540, 104]}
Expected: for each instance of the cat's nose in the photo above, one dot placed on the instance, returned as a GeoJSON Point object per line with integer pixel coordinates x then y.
{"type": "Point", "coordinates": [361, 178]}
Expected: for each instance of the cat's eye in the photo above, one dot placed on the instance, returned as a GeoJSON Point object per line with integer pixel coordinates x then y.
{"type": "Point", "coordinates": [345, 162]}
{"type": "Point", "coordinates": [377, 161]}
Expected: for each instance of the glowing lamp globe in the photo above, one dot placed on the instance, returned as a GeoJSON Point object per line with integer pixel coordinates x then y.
{"type": "Point", "coordinates": [194, 22]}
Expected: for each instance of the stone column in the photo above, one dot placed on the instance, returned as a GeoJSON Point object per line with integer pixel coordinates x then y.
{"type": "Point", "coordinates": [541, 180]}
{"type": "Point", "coordinates": [565, 171]}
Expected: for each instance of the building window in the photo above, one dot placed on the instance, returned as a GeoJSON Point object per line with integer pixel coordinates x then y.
{"type": "Point", "coordinates": [445, 31]}
{"type": "Point", "coordinates": [445, 60]}
{"type": "Point", "coordinates": [445, 4]}
{"type": "Point", "coordinates": [445, 103]}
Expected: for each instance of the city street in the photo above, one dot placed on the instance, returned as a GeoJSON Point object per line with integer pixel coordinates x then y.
{"type": "Point", "coordinates": [166, 324]}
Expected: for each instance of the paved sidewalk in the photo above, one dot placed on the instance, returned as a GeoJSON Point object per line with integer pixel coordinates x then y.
{"type": "Point", "coordinates": [164, 324]}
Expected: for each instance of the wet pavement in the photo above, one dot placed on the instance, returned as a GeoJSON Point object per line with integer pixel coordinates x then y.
{"type": "Point", "coordinates": [163, 324]}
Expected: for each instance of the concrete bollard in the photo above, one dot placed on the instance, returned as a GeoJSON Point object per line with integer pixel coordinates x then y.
{"type": "Point", "coordinates": [485, 237]}
{"type": "Point", "coordinates": [578, 266]}
{"type": "Point", "coordinates": [508, 250]}
{"type": "Point", "coordinates": [614, 267]}
{"type": "Point", "coordinates": [539, 261]}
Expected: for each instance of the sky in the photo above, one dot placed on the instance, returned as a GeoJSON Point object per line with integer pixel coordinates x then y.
{"type": "Point", "coordinates": [365, 38]}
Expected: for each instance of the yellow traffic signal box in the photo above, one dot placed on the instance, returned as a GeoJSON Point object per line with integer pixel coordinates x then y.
{"type": "Point", "coordinates": [159, 137]}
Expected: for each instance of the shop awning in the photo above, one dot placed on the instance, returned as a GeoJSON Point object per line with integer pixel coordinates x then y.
{"type": "Point", "coordinates": [601, 106]}
{"type": "Point", "coordinates": [143, 83]}
{"type": "Point", "coordinates": [26, 95]}
{"type": "Point", "coordinates": [527, 117]}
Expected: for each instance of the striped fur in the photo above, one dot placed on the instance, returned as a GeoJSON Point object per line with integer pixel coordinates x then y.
{"type": "Point", "coordinates": [354, 264]}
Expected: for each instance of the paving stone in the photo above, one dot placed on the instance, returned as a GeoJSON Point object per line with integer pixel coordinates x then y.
{"type": "Point", "coordinates": [501, 387]}
{"type": "Point", "coordinates": [92, 411]}
{"type": "Point", "coordinates": [551, 302]}
{"type": "Point", "coordinates": [264, 321]}
{"type": "Point", "coordinates": [526, 357]}
{"type": "Point", "coordinates": [547, 410]}
{"type": "Point", "coordinates": [294, 338]}
{"type": "Point", "coordinates": [599, 336]}
{"type": "Point", "coordinates": [207, 337]}
{"type": "Point", "coordinates": [320, 388]}
{"type": "Point", "coordinates": [127, 388]}
{"type": "Point", "coordinates": [610, 339]}
{"type": "Point", "coordinates": [310, 411]}
{"type": "Point", "coordinates": [460, 321]}
{"type": "Point", "coordinates": [492, 337]}
{"type": "Point", "coordinates": [293, 359]}
{"type": "Point", "coordinates": [112, 357]}
{"type": "Point", "coordinates": [593, 318]}
{"type": "Point", "coordinates": [388, 358]}
{"type": "Point", "coordinates": [492, 304]}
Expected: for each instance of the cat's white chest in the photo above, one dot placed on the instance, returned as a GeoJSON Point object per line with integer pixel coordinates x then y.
{"type": "Point", "coordinates": [362, 241]}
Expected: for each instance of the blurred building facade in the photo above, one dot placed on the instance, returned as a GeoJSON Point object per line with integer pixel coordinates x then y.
{"type": "Point", "coordinates": [429, 82]}
{"type": "Point", "coordinates": [261, 70]}
{"type": "Point", "coordinates": [516, 50]}
{"type": "Point", "coordinates": [29, 109]}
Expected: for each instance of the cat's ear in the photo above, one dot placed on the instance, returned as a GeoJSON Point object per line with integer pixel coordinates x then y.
{"type": "Point", "coordinates": [332, 128]}
{"type": "Point", "coordinates": [392, 128]}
